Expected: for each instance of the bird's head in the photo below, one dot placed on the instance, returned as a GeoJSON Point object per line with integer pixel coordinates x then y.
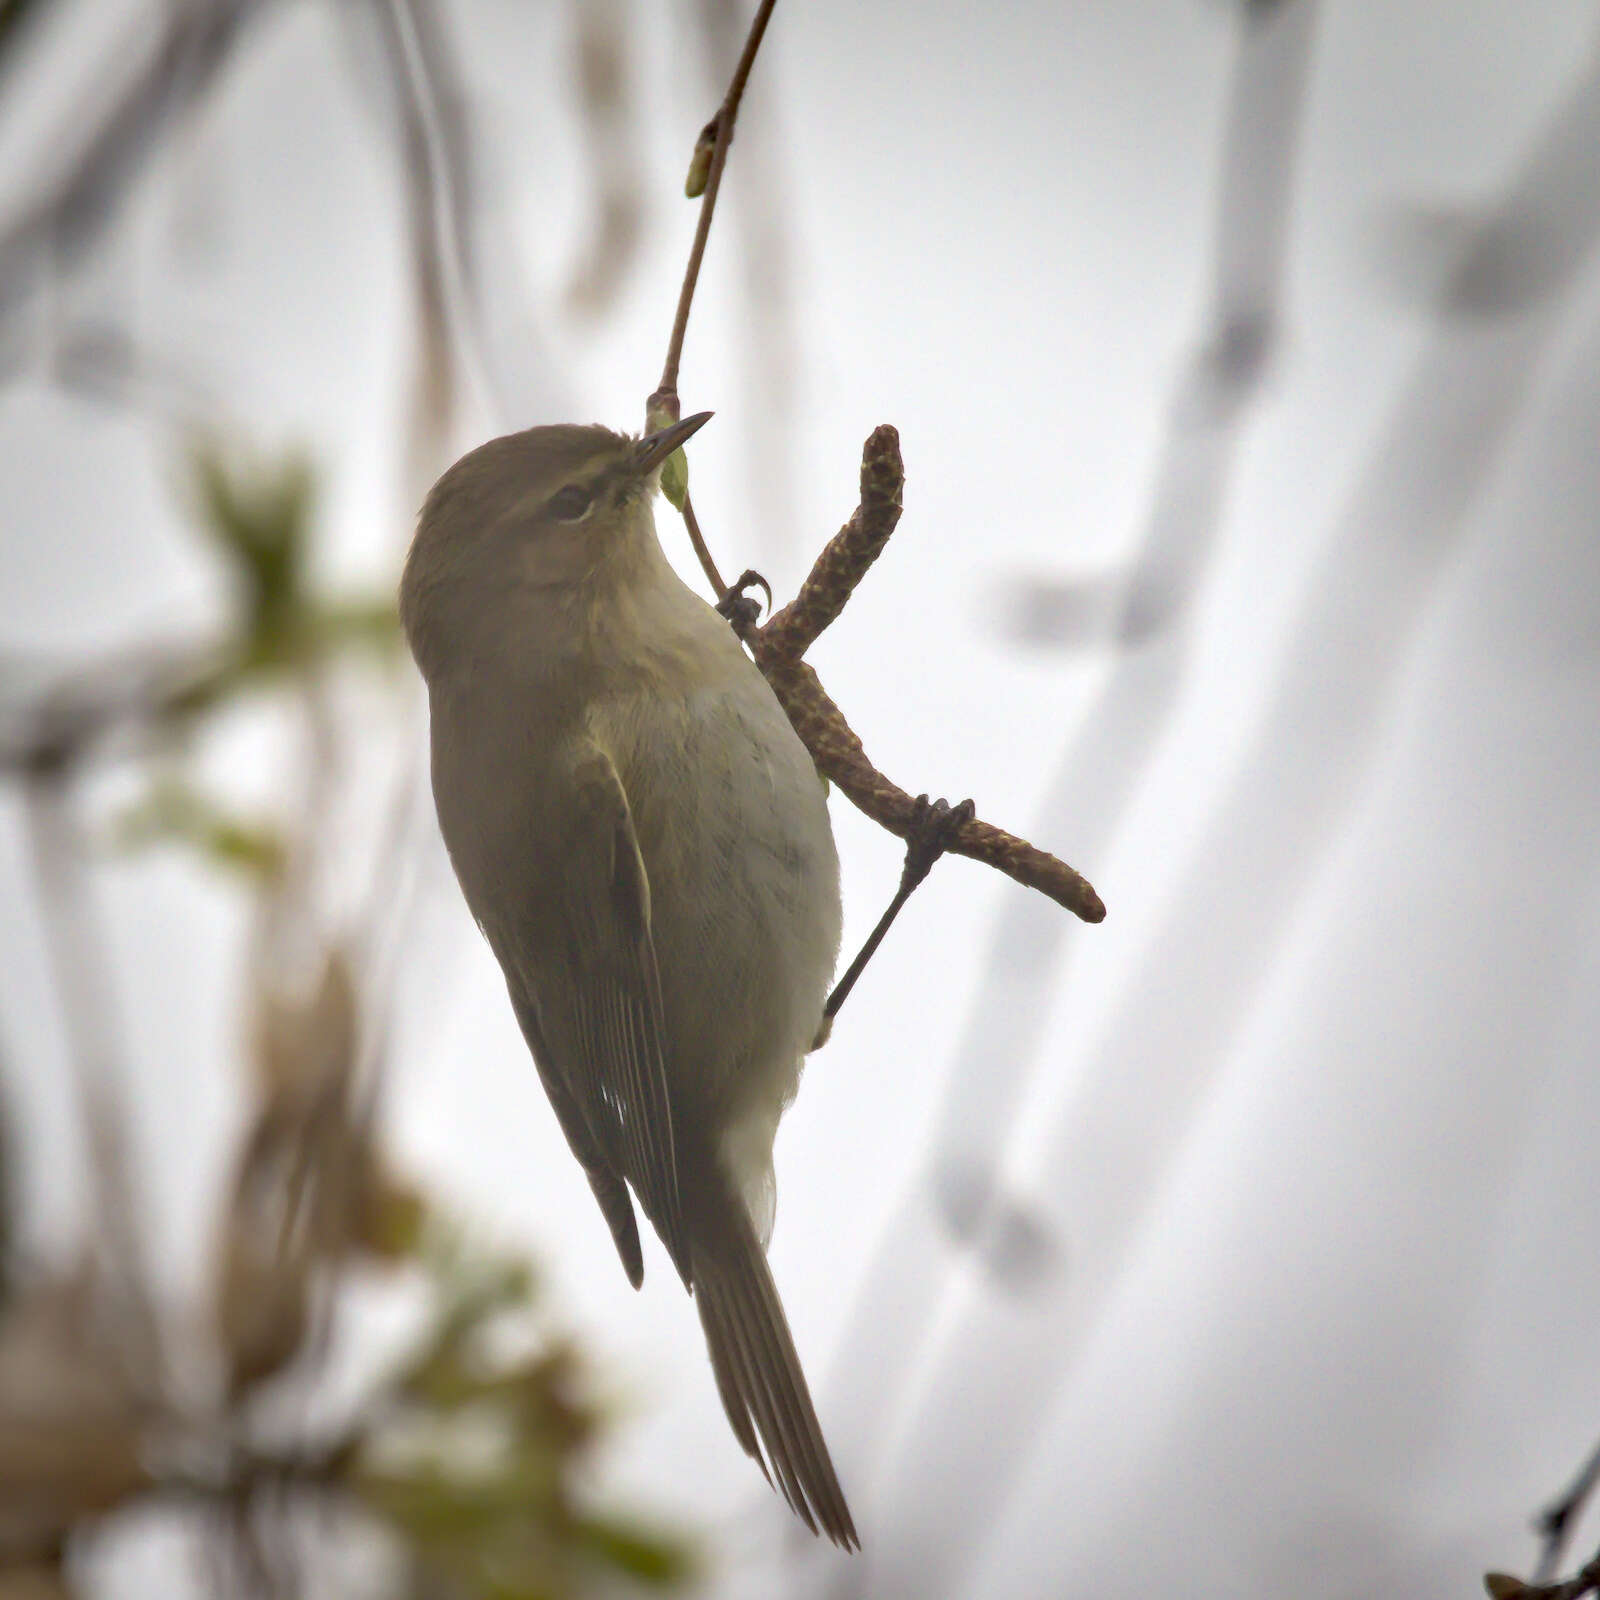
{"type": "Point", "coordinates": [530, 526]}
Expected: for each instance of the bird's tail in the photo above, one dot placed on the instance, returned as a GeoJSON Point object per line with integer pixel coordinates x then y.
{"type": "Point", "coordinates": [758, 1373]}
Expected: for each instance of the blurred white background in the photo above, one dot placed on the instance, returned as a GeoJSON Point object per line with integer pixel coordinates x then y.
{"type": "Point", "coordinates": [1245, 364]}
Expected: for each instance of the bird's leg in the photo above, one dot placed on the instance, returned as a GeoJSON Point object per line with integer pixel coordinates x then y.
{"type": "Point", "coordinates": [933, 825]}
{"type": "Point", "coordinates": [741, 609]}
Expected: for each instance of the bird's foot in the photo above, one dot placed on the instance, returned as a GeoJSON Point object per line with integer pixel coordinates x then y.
{"type": "Point", "coordinates": [934, 826]}
{"type": "Point", "coordinates": [742, 609]}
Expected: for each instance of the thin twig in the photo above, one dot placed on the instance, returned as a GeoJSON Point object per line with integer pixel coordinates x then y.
{"type": "Point", "coordinates": [768, 347]}
{"type": "Point", "coordinates": [701, 550]}
{"type": "Point", "coordinates": [1556, 1521]}
{"type": "Point", "coordinates": [667, 394]}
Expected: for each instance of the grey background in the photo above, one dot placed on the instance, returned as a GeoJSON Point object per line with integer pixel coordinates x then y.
{"type": "Point", "coordinates": [1244, 363]}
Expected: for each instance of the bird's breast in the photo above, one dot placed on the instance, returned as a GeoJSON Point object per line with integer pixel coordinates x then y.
{"type": "Point", "coordinates": [733, 826]}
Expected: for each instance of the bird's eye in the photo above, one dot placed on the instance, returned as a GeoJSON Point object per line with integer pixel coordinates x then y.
{"type": "Point", "coordinates": [571, 503]}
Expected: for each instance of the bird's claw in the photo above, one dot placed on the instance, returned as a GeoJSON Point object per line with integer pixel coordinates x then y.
{"type": "Point", "coordinates": [740, 608]}
{"type": "Point", "coordinates": [934, 826]}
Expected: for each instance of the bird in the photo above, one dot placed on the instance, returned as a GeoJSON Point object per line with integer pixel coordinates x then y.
{"type": "Point", "coordinates": [644, 842]}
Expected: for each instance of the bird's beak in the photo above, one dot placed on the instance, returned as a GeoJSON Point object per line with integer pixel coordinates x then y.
{"type": "Point", "coordinates": [654, 448]}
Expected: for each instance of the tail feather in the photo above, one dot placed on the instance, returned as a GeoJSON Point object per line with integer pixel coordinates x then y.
{"type": "Point", "coordinates": [775, 1420]}
{"type": "Point", "coordinates": [817, 1467]}
{"type": "Point", "coordinates": [758, 1373]}
{"type": "Point", "coordinates": [728, 1369]}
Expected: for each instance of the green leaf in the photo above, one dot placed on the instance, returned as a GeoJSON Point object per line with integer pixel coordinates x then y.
{"type": "Point", "coordinates": [675, 478]}
{"type": "Point", "coordinates": [675, 469]}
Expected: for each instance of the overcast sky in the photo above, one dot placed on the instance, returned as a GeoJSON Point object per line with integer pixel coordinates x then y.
{"type": "Point", "coordinates": [1247, 1244]}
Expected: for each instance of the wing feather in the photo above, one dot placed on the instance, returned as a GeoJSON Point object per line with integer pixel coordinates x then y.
{"type": "Point", "coordinates": [591, 1148]}
{"type": "Point", "coordinates": [593, 984]}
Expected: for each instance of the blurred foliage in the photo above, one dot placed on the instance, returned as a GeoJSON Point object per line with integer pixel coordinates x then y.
{"type": "Point", "coordinates": [175, 811]}
{"type": "Point", "coordinates": [469, 1453]}
{"type": "Point", "coordinates": [257, 513]}
{"type": "Point", "coordinates": [475, 1459]}
{"type": "Point", "coordinates": [260, 515]}
{"type": "Point", "coordinates": [70, 1433]}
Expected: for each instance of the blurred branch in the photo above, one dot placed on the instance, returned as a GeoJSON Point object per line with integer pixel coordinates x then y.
{"type": "Point", "coordinates": [258, 515]}
{"type": "Point", "coordinates": [313, 1469]}
{"type": "Point", "coordinates": [1227, 368]}
{"type": "Point", "coordinates": [306, 1176]}
{"type": "Point", "coordinates": [16, 17]}
{"type": "Point", "coordinates": [468, 1450]}
{"type": "Point", "coordinates": [1556, 1521]}
{"type": "Point", "coordinates": [95, 358]}
{"type": "Point", "coordinates": [10, 1190]}
{"type": "Point", "coordinates": [616, 182]}
{"type": "Point", "coordinates": [198, 37]}
{"type": "Point", "coordinates": [1265, 837]}
{"type": "Point", "coordinates": [1512, 255]}
{"type": "Point", "coordinates": [86, 1006]}
{"type": "Point", "coordinates": [55, 727]}
{"type": "Point", "coordinates": [435, 111]}
{"type": "Point", "coordinates": [1146, 611]}
{"type": "Point", "coordinates": [71, 1423]}
{"type": "Point", "coordinates": [436, 173]}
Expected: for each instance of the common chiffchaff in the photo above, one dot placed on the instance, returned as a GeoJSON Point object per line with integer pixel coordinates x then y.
{"type": "Point", "coordinates": [645, 843]}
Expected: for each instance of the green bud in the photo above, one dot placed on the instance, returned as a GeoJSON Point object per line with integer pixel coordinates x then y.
{"type": "Point", "coordinates": [700, 162]}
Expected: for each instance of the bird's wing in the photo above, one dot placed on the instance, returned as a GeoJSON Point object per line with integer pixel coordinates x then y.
{"type": "Point", "coordinates": [595, 1000]}
{"type": "Point", "coordinates": [592, 1152]}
